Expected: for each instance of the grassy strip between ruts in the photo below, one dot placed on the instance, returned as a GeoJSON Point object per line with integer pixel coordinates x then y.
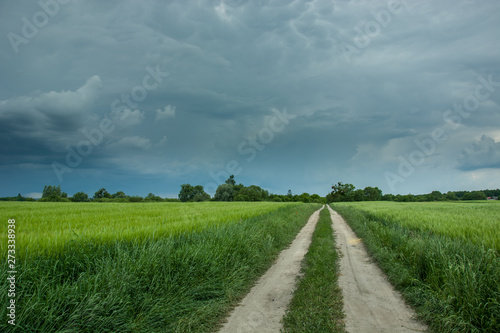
{"type": "Point", "coordinates": [183, 283]}
{"type": "Point", "coordinates": [453, 284]}
{"type": "Point", "coordinates": [317, 303]}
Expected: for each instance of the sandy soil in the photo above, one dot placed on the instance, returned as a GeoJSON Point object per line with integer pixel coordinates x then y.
{"type": "Point", "coordinates": [264, 306]}
{"type": "Point", "coordinates": [370, 302]}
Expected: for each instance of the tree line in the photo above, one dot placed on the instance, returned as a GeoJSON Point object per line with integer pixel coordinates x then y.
{"type": "Point", "coordinates": [347, 192]}
{"type": "Point", "coordinates": [230, 191]}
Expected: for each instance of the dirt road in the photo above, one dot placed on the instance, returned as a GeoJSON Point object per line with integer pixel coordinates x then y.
{"type": "Point", "coordinates": [264, 306]}
{"type": "Point", "coordinates": [370, 302]}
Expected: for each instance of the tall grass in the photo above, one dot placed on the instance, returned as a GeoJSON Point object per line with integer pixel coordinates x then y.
{"type": "Point", "coordinates": [184, 282]}
{"type": "Point", "coordinates": [453, 281]}
{"type": "Point", "coordinates": [477, 222]}
{"type": "Point", "coordinates": [47, 227]}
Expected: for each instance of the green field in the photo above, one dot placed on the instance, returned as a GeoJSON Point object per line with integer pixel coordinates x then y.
{"type": "Point", "coordinates": [145, 267]}
{"type": "Point", "coordinates": [478, 222]}
{"type": "Point", "coordinates": [49, 226]}
{"type": "Point", "coordinates": [443, 256]}
{"type": "Point", "coordinates": [180, 267]}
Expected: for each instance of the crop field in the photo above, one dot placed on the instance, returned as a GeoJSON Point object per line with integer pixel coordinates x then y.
{"type": "Point", "coordinates": [145, 267]}
{"type": "Point", "coordinates": [443, 257]}
{"type": "Point", "coordinates": [478, 222]}
{"type": "Point", "coordinates": [49, 226]}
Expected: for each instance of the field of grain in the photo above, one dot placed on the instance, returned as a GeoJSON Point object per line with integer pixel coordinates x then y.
{"type": "Point", "coordinates": [50, 226]}
{"type": "Point", "coordinates": [443, 257]}
{"type": "Point", "coordinates": [146, 267]}
{"type": "Point", "coordinates": [477, 222]}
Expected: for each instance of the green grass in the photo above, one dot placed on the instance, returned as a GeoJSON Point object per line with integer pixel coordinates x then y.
{"type": "Point", "coordinates": [177, 282]}
{"type": "Point", "coordinates": [48, 226]}
{"type": "Point", "coordinates": [477, 222]}
{"type": "Point", "coordinates": [317, 303]}
{"type": "Point", "coordinates": [445, 264]}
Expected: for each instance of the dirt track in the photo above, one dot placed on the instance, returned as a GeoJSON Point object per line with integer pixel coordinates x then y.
{"type": "Point", "coordinates": [264, 306]}
{"type": "Point", "coordinates": [370, 302]}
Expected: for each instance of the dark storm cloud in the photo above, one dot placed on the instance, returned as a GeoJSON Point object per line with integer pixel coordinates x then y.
{"type": "Point", "coordinates": [229, 64]}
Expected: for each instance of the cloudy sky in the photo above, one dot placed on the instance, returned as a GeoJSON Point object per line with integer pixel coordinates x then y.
{"type": "Point", "coordinates": [143, 96]}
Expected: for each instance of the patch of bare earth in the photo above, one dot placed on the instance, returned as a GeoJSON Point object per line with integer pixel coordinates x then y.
{"type": "Point", "coordinates": [371, 304]}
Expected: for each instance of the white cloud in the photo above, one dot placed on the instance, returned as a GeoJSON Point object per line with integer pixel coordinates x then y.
{"type": "Point", "coordinates": [167, 112]}
{"type": "Point", "coordinates": [127, 117]}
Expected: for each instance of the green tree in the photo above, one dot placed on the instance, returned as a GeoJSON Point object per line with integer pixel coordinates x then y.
{"type": "Point", "coordinates": [51, 191]}
{"type": "Point", "coordinates": [451, 196]}
{"type": "Point", "coordinates": [201, 196]}
{"type": "Point", "coordinates": [80, 197]}
{"type": "Point", "coordinates": [102, 193]}
{"type": "Point", "coordinates": [305, 197]}
{"type": "Point", "coordinates": [357, 195]}
{"type": "Point", "coordinates": [475, 195]}
{"type": "Point", "coordinates": [405, 198]}
{"type": "Point", "coordinates": [341, 191]}
{"type": "Point", "coordinates": [249, 193]}
{"type": "Point", "coordinates": [198, 189]}
{"type": "Point", "coordinates": [20, 197]}
{"type": "Point", "coordinates": [224, 192]}
{"type": "Point", "coordinates": [388, 197]}
{"type": "Point", "coordinates": [492, 193]}
{"type": "Point", "coordinates": [152, 197]}
{"type": "Point", "coordinates": [120, 195]}
{"type": "Point", "coordinates": [186, 192]}
{"type": "Point", "coordinates": [316, 198]}
{"type": "Point", "coordinates": [373, 193]}
{"type": "Point", "coordinates": [241, 197]}
{"type": "Point", "coordinates": [231, 180]}
{"type": "Point", "coordinates": [434, 196]}
{"type": "Point", "coordinates": [189, 193]}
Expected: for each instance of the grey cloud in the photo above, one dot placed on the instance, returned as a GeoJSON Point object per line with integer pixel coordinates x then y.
{"type": "Point", "coordinates": [126, 118]}
{"type": "Point", "coordinates": [167, 112]}
{"type": "Point", "coordinates": [49, 117]}
{"type": "Point", "coordinates": [482, 154]}
{"type": "Point", "coordinates": [228, 67]}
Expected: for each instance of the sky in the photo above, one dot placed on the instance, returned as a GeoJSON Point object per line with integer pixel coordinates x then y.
{"type": "Point", "coordinates": [143, 96]}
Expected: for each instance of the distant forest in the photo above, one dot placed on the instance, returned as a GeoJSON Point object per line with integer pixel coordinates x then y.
{"type": "Point", "coordinates": [230, 191]}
